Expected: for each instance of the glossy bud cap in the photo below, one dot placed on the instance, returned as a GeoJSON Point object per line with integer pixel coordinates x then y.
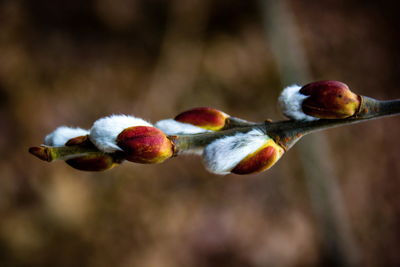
{"type": "Point", "coordinates": [41, 152]}
{"type": "Point", "coordinates": [82, 140]}
{"type": "Point", "coordinates": [204, 117]}
{"type": "Point", "coordinates": [145, 144]}
{"type": "Point", "coordinates": [94, 162]}
{"type": "Point", "coordinates": [262, 159]}
{"type": "Point", "coordinates": [329, 100]}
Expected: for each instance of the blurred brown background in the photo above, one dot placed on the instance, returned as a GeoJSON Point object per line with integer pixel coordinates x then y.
{"type": "Point", "coordinates": [333, 200]}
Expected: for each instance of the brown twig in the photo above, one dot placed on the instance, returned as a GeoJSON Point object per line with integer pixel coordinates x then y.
{"type": "Point", "coordinates": [286, 133]}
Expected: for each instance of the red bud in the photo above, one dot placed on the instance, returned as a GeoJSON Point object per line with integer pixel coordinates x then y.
{"type": "Point", "coordinates": [92, 162]}
{"type": "Point", "coordinates": [41, 152]}
{"type": "Point", "coordinates": [204, 117]}
{"type": "Point", "coordinates": [80, 141]}
{"type": "Point", "coordinates": [261, 160]}
{"type": "Point", "coordinates": [145, 144]}
{"type": "Point", "coordinates": [329, 100]}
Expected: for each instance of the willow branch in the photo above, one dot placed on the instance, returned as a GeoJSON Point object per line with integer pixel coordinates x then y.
{"type": "Point", "coordinates": [286, 133]}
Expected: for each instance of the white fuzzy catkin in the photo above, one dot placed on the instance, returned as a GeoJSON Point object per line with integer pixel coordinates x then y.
{"type": "Point", "coordinates": [173, 127]}
{"type": "Point", "coordinates": [290, 102]}
{"type": "Point", "coordinates": [222, 155]}
{"type": "Point", "coordinates": [105, 131]}
{"type": "Point", "coordinates": [62, 134]}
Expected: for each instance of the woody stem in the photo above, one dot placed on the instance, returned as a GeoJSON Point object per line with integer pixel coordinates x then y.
{"type": "Point", "coordinates": [286, 133]}
{"type": "Point", "coordinates": [51, 153]}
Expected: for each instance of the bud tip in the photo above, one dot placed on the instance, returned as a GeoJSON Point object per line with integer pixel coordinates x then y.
{"type": "Point", "coordinates": [40, 152]}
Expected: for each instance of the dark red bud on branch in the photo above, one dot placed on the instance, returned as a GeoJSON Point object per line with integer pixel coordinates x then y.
{"type": "Point", "coordinates": [204, 117]}
{"type": "Point", "coordinates": [329, 100]}
{"type": "Point", "coordinates": [92, 162]}
{"type": "Point", "coordinates": [145, 144]}
{"type": "Point", "coordinates": [261, 160]}
{"type": "Point", "coordinates": [40, 152]}
{"type": "Point", "coordinates": [80, 140]}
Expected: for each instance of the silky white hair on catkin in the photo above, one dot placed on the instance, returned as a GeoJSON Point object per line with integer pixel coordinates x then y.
{"type": "Point", "coordinates": [290, 102]}
{"type": "Point", "coordinates": [173, 127]}
{"type": "Point", "coordinates": [192, 151]}
{"type": "Point", "coordinates": [223, 154]}
{"type": "Point", "coordinates": [105, 131]}
{"type": "Point", "coordinates": [62, 134]}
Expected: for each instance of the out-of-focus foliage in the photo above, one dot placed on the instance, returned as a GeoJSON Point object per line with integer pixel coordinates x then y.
{"type": "Point", "coordinates": [71, 62]}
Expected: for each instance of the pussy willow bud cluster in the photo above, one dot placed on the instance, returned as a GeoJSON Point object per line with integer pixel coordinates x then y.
{"type": "Point", "coordinates": [225, 143]}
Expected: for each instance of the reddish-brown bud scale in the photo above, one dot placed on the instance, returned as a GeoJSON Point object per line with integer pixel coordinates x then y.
{"type": "Point", "coordinates": [261, 160]}
{"type": "Point", "coordinates": [204, 117]}
{"type": "Point", "coordinates": [92, 163]}
{"type": "Point", "coordinates": [144, 144]}
{"type": "Point", "coordinates": [80, 141]}
{"type": "Point", "coordinates": [41, 152]}
{"type": "Point", "coordinates": [329, 100]}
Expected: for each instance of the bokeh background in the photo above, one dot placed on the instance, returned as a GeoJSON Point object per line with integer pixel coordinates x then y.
{"type": "Point", "coordinates": [333, 200]}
